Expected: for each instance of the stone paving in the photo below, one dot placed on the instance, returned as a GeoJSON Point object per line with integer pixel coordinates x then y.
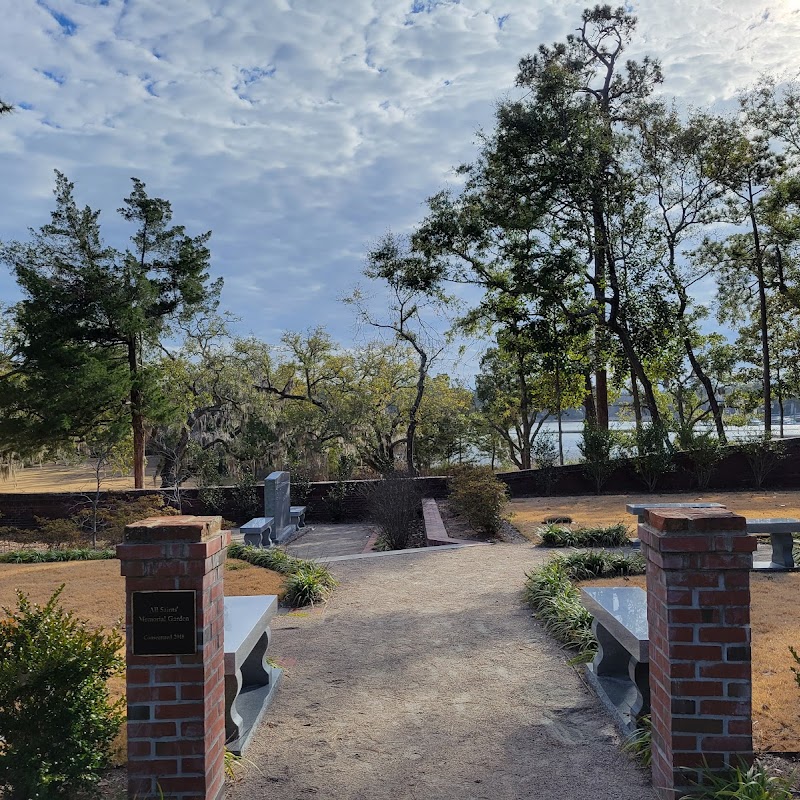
{"type": "Point", "coordinates": [319, 541]}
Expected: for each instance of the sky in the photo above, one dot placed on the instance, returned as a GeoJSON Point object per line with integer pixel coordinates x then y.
{"type": "Point", "coordinates": [300, 131]}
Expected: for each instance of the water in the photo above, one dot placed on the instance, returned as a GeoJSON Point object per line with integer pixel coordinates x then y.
{"type": "Point", "coordinates": [572, 434]}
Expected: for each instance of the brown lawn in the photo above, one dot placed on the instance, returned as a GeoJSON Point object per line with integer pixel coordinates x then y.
{"type": "Point", "coordinates": [529, 513]}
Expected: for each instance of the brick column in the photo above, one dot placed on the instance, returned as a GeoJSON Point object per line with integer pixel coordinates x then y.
{"type": "Point", "coordinates": [698, 612]}
{"type": "Point", "coordinates": [176, 703]}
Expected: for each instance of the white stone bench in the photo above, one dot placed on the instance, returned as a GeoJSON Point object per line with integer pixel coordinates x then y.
{"type": "Point", "coordinates": [297, 514]}
{"type": "Point", "coordinates": [780, 530]}
{"type": "Point", "coordinates": [250, 682]}
{"type": "Point", "coordinates": [255, 529]}
{"type": "Point", "coordinates": [620, 671]}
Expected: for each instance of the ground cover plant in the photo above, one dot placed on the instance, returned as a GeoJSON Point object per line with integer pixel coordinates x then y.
{"type": "Point", "coordinates": [307, 582]}
{"type": "Point", "coordinates": [741, 783]}
{"type": "Point", "coordinates": [26, 556]}
{"type": "Point", "coordinates": [554, 535]}
{"type": "Point", "coordinates": [552, 594]}
{"type": "Point", "coordinates": [59, 722]}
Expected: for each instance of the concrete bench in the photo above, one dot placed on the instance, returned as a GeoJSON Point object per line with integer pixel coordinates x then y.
{"type": "Point", "coordinates": [620, 671]}
{"type": "Point", "coordinates": [250, 682]}
{"type": "Point", "coordinates": [255, 529]}
{"type": "Point", "coordinates": [780, 530]}
{"type": "Point", "coordinates": [297, 514]}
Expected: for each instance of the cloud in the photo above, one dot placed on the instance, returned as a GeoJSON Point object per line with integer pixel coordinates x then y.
{"type": "Point", "coordinates": [301, 131]}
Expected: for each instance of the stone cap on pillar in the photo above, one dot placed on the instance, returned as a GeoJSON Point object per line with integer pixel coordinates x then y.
{"type": "Point", "coordinates": [184, 528]}
{"type": "Point", "coordinates": [695, 520]}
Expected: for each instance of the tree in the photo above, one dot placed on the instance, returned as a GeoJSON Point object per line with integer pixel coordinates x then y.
{"type": "Point", "coordinates": [90, 316]}
{"type": "Point", "coordinates": [388, 261]}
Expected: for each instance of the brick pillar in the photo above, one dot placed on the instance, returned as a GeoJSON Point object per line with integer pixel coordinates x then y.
{"type": "Point", "coordinates": [176, 702]}
{"type": "Point", "coordinates": [698, 612]}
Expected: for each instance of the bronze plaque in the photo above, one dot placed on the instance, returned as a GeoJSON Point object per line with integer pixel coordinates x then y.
{"type": "Point", "coordinates": [164, 623]}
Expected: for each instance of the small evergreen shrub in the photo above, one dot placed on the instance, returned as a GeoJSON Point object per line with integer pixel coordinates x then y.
{"type": "Point", "coordinates": [336, 496]}
{"type": "Point", "coordinates": [558, 536]}
{"type": "Point", "coordinates": [651, 454]}
{"type": "Point", "coordinates": [477, 494]}
{"type": "Point", "coordinates": [598, 447]}
{"type": "Point", "coordinates": [56, 718]}
{"type": "Point", "coordinates": [393, 506]}
{"type": "Point", "coordinates": [544, 453]}
{"type": "Point", "coordinates": [705, 452]}
{"type": "Point", "coordinates": [763, 454]}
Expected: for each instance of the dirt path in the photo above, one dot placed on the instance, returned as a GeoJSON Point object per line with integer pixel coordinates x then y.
{"type": "Point", "coordinates": [425, 677]}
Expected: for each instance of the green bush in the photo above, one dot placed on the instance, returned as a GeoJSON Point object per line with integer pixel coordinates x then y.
{"type": "Point", "coordinates": [393, 506]}
{"type": "Point", "coordinates": [336, 496]}
{"type": "Point", "coordinates": [763, 454]}
{"type": "Point", "coordinates": [558, 536]}
{"type": "Point", "coordinates": [544, 452]}
{"type": "Point", "coordinates": [43, 556]}
{"type": "Point", "coordinates": [598, 447]}
{"type": "Point", "coordinates": [56, 719]}
{"type": "Point", "coordinates": [651, 454]}
{"type": "Point", "coordinates": [478, 495]}
{"type": "Point", "coordinates": [741, 783]}
{"type": "Point", "coordinates": [705, 452]}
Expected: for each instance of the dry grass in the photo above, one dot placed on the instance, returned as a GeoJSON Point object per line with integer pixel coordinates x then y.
{"type": "Point", "coordinates": [775, 626]}
{"type": "Point", "coordinates": [528, 513]}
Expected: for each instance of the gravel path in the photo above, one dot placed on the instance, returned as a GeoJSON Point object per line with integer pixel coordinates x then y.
{"type": "Point", "coordinates": [425, 677]}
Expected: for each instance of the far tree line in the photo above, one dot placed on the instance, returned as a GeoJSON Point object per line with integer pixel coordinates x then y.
{"type": "Point", "coordinates": [590, 219]}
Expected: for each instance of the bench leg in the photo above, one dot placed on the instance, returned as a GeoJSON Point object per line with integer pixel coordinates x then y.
{"type": "Point", "coordinates": [252, 539]}
{"type": "Point", "coordinates": [640, 675]}
{"type": "Point", "coordinates": [611, 657]}
{"type": "Point", "coordinates": [255, 670]}
{"type": "Point", "coordinates": [782, 544]}
{"type": "Point", "coordinates": [233, 720]}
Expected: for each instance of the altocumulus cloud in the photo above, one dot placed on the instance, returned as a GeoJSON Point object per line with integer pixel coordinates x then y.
{"type": "Point", "coordinates": [300, 130]}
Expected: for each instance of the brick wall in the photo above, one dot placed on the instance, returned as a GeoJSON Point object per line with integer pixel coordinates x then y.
{"type": "Point", "coordinates": [176, 703]}
{"type": "Point", "coordinates": [698, 612]}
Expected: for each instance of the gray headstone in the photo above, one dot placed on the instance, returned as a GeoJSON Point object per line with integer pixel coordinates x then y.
{"type": "Point", "coordinates": [277, 505]}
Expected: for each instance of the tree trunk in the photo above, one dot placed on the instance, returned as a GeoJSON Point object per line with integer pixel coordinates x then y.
{"type": "Point", "coordinates": [590, 410]}
{"type": "Point", "coordinates": [637, 403]}
{"type": "Point", "coordinates": [558, 414]}
{"type": "Point", "coordinates": [137, 419]}
{"type": "Point", "coordinates": [763, 318]}
{"type": "Point", "coordinates": [716, 411]}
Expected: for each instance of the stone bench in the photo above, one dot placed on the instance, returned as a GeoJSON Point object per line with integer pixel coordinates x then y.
{"type": "Point", "coordinates": [620, 671]}
{"type": "Point", "coordinates": [780, 530]}
{"type": "Point", "coordinates": [250, 682]}
{"type": "Point", "coordinates": [297, 514]}
{"type": "Point", "coordinates": [255, 529]}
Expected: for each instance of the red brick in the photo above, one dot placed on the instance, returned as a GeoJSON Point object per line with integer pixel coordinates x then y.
{"type": "Point", "coordinates": [699, 688]}
{"type": "Point", "coordinates": [728, 743]}
{"type": "Point", "coordinates": [181, 711]}
{"type": "Point", "coordinates": [728, 708]}
{"type": "Point", "coordinates": [180, 747]}
{"type": "Point", "coordinates": [740, 669]}
{"type": "Point", "coordinates": [150, 730]}
{"type": "Point", "coordinates": [153, 766]}
{"type": "Point", "coordinates": [695, 652]}
{"type": "Point", "coordinates": [723, 635]}
{"type": "Point", "coordinates": [724, 597]}
{"type": "Point", "coordinates": [143, 694]}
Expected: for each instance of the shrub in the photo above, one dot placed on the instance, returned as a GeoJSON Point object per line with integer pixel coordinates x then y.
{"type": "Point", "coordinates": [393, 505]}
{"type": "Point", "coordinates": [741, 783]}
{"type": "Point", "coordinates": [763, 454]}
{"type": "Point", "coordinates": [479, 496]}
{"type": "Point", "coordinates": [335, 496]}
{"type": "Point", "coordinates": [544, 453]}
{"type": "Point", "coordinates": [56, 719]}
{"type": "Point", "coordinates": [652, 454]}
{"type": "Point", "coordinates": [597, 446]}
{"type": "Point", "coordinates": [704, 452]}
{"type": "Point", "coordinates": [558, 536]}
